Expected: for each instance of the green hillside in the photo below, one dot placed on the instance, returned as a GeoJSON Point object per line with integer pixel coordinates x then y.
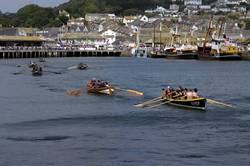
{"type": "Point", "coordinates": [36, 16]}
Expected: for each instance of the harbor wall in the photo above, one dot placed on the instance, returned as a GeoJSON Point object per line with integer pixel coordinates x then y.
{"type": "Point", "coordinates": [13, 54]}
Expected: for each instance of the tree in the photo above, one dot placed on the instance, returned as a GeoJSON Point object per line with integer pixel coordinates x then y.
{"type": "Point", "coordinates": [63, 19]}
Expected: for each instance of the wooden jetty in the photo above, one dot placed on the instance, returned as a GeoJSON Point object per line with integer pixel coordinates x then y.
{"type": "Point", "coordinates": [12, 54]}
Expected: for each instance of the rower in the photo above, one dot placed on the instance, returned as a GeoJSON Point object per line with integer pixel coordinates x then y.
{"type": "Point", "coordinates": [163, 94]}
{"type": "Point", "coordinates": [195, 93]}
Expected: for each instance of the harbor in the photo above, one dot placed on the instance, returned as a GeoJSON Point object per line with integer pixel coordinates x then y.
{"type": "Point", "coordinates": [37, 115]}
{"type": "Point", "coordinates": [125, 83]}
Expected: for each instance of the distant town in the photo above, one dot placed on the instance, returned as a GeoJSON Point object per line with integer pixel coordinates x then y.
{"type": "Point", "coordinates": [156, 30]}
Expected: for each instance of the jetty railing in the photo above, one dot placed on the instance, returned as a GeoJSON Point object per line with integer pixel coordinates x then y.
{"type": "Point", "coordinates": [45, 52]}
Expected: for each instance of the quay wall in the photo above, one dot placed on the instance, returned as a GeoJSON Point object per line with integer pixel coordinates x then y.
{"type": "Point", "coordinates": [14, 54]}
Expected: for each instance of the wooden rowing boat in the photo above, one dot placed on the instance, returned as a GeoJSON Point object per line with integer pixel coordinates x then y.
{"type": "Point", "coordinates": [37, 71]}
{"type": "Point", "coordinates": [82, 66]}
{"type": "Point", "coordinates": [103, 90]}
{"type": "Point", "coordinates": [197, 103]}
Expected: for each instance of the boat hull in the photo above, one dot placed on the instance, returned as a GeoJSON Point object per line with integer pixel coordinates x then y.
{"type": "Point", "coordinates": [233, 57]}
{"type": "Point", "coordinates": [158, 55]}
{"type": "Point", "coordinates": [199, 103]}
{"type": "Point", "coordinates": [207, 55]}
{"type": "Point", "coordinates": [82, 67]}
{"type": "Point", "coordinates": [104, 90]}
{"type": "Point", "coordinates": [182, 56]}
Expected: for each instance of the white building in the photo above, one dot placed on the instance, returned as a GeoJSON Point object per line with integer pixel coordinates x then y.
{"type": "Point", "coordinates": [174, 7]}
{"type": "Point", "coordinates": [144, 19]}
{"type": "Point", "coordinates": [205, 7]}
{"type": "Point", "coordinates": [128, 19]}
{"type": "Point", "coordinates": [159, 9]}
{"type": "Point", "coordinates": [232, 2]}
{"type": "Point", "coordinates": [192, 2]}
{"type": "Point", "coordinates": [110, 36]}
{"type": "Point", "coordinates": [99, 17]}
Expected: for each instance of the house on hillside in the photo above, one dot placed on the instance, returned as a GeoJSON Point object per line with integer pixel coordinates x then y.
{"type": "Point", "coordinates": [192, 2]}
{"type": "Point", "coordinates": [77, 26]}
{"type": "Point", "coordinates": [128, 19]}
{"type": "Point", "coordinates": [109, 36]}
{"type": "Point", "coordinates": [158, 9]}
{"type": "Point", "coordinates": [144, 19]}
{"type": "Point", "coordinates": [174, 8]}
{"type": "Point", "coordinates": [99, 17]}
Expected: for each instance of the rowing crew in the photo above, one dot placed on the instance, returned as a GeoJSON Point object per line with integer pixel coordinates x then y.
{"type": "Point", "coordinates": [179, 93]}
{"type": "Point", "coordinates": [93, 84]}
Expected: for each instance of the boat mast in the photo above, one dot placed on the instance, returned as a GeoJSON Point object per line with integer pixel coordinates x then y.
{"type": "Point", "coordinates": [154, 39]}
{"type": "Point", "coordinates": [160, 34]}
{"type": "Point", "coordinates": [222, 22]}
{"type": "Point", "coordinates": [208, 30]}
{"type": "Point", "coordinates": [138, 38]}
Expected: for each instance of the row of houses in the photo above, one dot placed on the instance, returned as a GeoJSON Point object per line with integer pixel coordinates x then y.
{"type": "Point", "coordinates": [110, 29]}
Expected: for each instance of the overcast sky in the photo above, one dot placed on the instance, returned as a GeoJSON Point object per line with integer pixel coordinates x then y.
{"type": "Point", "coordinates": [14, 5]}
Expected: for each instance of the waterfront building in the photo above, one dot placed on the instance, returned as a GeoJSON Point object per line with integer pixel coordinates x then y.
{"type": "Point", "coordinates": [21, 41]}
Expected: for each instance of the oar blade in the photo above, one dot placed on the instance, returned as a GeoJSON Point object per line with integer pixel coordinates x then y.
{"type": "Point", "coordinates": [135, 92]}
{"type": "Point", "coordinates": [131, 91]}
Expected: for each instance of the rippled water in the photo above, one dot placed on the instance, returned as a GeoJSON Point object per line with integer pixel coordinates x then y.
{"type": "Point", "coordinates": [40, 125]}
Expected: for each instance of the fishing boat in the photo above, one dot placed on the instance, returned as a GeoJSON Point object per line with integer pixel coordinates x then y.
{"type": "Point", "coordinates": [158, 54]}
{"type": "Point", "coordinates": [197, 103]}
{"type": "Point", "coordinates": [220, 48]}
{"type": "Point", "coordinates": [99, 87]}
{"type": "Point", "coordinates": [182, 52]}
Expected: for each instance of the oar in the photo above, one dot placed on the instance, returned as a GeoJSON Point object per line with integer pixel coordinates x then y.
{"type": "Point", "coordinates": [54, 72]}
{"type": "Point", "coordinates": [138, 93]}
{"type": "Point", "coordinates": [75, 92]}
{"type": "Point", "coordinates": [160, 104]}
{"type": "Point", "coordinates": [148, 102]}
{"type": "Point", "coordinates": [22, 65]}
{"type": "Point", "coordinates": [219, 103]}
{"type": "Point", "coordinates": [17, 73]}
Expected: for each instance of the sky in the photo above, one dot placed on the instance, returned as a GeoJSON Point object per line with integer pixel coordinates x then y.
{"type": "Point", "coordinates": [14, 5]}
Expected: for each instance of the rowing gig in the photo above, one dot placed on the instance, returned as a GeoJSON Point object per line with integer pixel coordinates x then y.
{"type": "Point", "coordinates": [99, 87]}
